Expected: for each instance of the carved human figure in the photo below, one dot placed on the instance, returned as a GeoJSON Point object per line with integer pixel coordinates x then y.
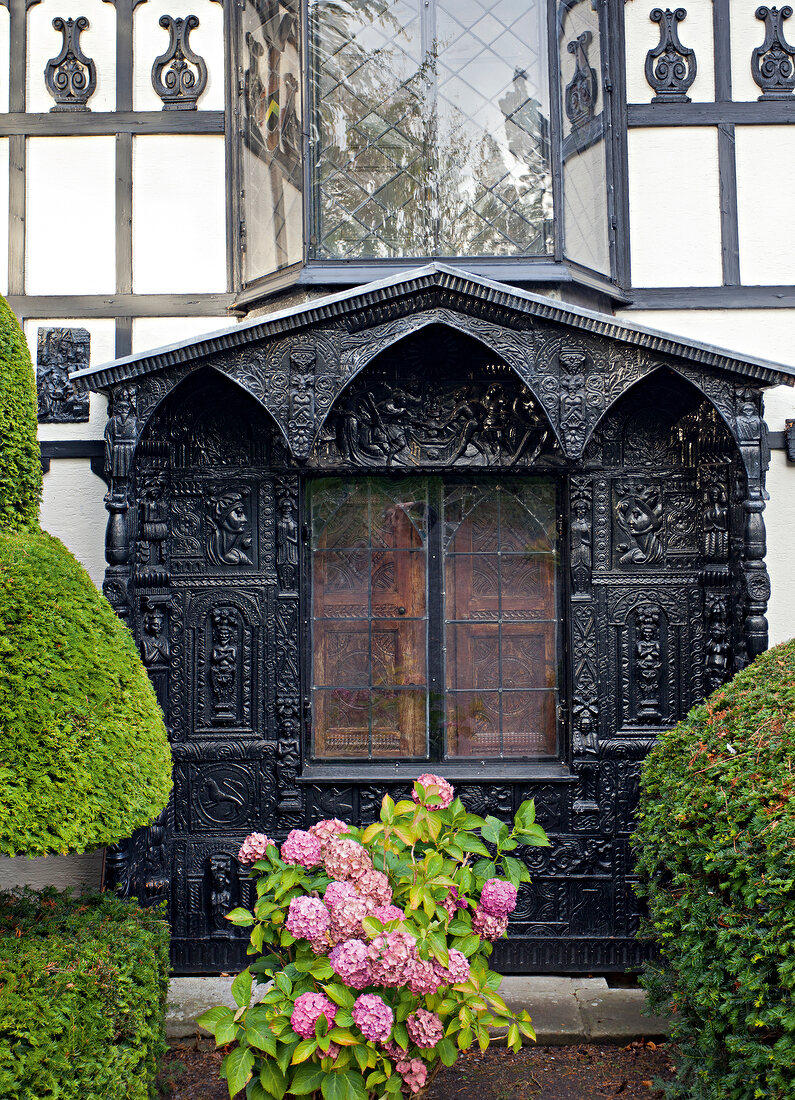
{"type": "Point", "coordinates": [718, 646]}
{"type": "Point", "coordinates": [640, 513]}
{"type": "Point", "coordinates": [716, 524]}
{"type": "Point", "coordinates": [581, 545]}
{"type": "Point", "coordinates": [648, 664]}
{"type": "Point", "coordinates": [466, 419]}
{"type": "Point", "coordinates": [154, 521]}
{"type": "Point", "coordinates": [495, 418]}
{"type": "Point", "coordinates": [155, 648]}
{"type": "Point", "coordinates": [395, 412]}
{"type": "Point", "coordinates": [229, 540]}
{"type": "Point", "coordinates": [219, 900]}
{"type": "Point", "coordinates": [120, 434]}
{"type": "Point", "coordinates": [223, 665]}
{"type": "Point", "coordinates": [747, 423]}
{"type": "Point", "coordinates": [572, 401]}
{"type": "Point", "coordinates": [155, 869]}
{"type": "Point", "coordinates": [360, 430]}
{"type": "Point", "coordinates": [527, 433]}
{"type": "Point", "coordinates": [586, 738]}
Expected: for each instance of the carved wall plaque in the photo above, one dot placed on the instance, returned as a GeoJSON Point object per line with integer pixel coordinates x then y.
{"type": "Point", "coordinates": [60, 351]}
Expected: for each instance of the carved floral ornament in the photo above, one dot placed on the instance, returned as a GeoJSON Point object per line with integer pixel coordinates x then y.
{"type": "Point", "coordinates": [179, 76]}
{"type": "Point", "coordinates": [772, 63]}
{"type": "Point", "coordinates": [670, 67]}
{"type": "Point", "coordinates": [71, 77]}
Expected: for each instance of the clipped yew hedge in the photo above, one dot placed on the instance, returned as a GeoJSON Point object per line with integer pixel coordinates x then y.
{"type": "Point", "coordinates": [83, 984]}
{"type": "Point", "coordinates": [20, 468]}
{"type": "Point", "coordinates": [716, 855]}
{"type": "Point", "coordinates": [84, 757]}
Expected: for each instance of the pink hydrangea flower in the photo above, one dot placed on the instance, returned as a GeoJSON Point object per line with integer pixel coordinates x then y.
{"type": "Point", "coordinates": [346, 859]}
{"type": "Point", "coordinates": [435, 785]}
{"type": "Point", "coordinates": [333, 1052]}
{"type": "Point", "coordinates": [336, 891]}
{"type": "Point", "coordinates": [325, 830]}
{"type": "Point", "coordinates": [386, 913]}
{"type": "Point", "coordinates": [453, 902]}
{"type": "Point", "coordinates": [351, 961]}
{"type": "Point", "coordinates": [307, 918]}
{"type": "Point", "coordinates": [414, 1073]}
{"type": "Point", "coordinates": [392, 955]}
{"type": "Point", "coordinates": [347, 916]}
{"type": "Point", "coordinates": [307, 1010]}
{"type": "Point", "coordinates": [373, 1017]}
{"type": "Point", "coordinates": [394, 1051]}
{"type": "Point", "coordinates": [301, 847]}
{"type": "Point", "coordinates": [424, 978]}
{"type": "Point", "coordinates": [487, 926]}
{"type": "Point", "coordinates": [375, 885]}
{"type": "Point", "coordinates": [425, 1028]}
{"type": "Point", "coordinates": [254, 847]}
{"type": "Point", "coordinates": [457, 969]}
{"type": "Point", "coordinates": [498, 898]}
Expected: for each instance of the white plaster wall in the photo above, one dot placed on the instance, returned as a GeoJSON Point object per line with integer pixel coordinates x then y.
{"type": "Point", "coordinates": [765, 175]}
{"type": "Point", "coordinates": [4, 48]}
{"type": "Point", "coordinates": [3, 208]}
{"type": "Point", "coordinates": [98, 42]}
{"type": "Point", "coordinates": [747, 32]}
{"type": "Point", "coordinates": [674, 169]}
{"type": "Point", "coordinates": [71, 215]}
{"type": "Point", "coordinates": [157, 332]}
{"type": "Point", "coordinates": [151, 40]}
{"type": "Point", "coordinates": [73, 509]}
{"type": "Point", "coordinates": [642, 35]}
{"type": "Point", "coordinates": [59, 871]}
{"type": "Point", "coordinates": [780, 522]}
{"type": "Point", "coordinates": [179, 214]}
{"type": "Point", "coordinates": [101, 350]}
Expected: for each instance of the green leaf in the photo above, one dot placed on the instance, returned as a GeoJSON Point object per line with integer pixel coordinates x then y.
{"type": "Point", "coordinates": [471, 843]}
{"type": "Point", "coordinates": [284, 1054]}
{"type": "Point", "coordinates": [387, 809]}
{"type": "Point", "coordinates": [241, 989]}
{"type": "Point", "coordinates": [225, 1031]}
{"type": "Point", "coordinates": [305, 1049]}
{"type": "Point", "coordinates": [394, 1083]}
{"type": "Point", "coordinates": [360, 1053]}
{"type": "Point", "coordinates": [446, 1050]}
{"type": "Point", "coordinates": [213, 1016]}
{"type": "Point", "coordinates": [534, 836]}
{"type": "Point", "coordinates": [238, 1067]}
{"type": "Point", "coordinates": [273, 1080]}
{"type": "Point", "coordinates": [259, 1035]}
{"type": "Point", "coordinates": [339, 994]}
{"type": "Point", "coordinates": [308, 1077]}
{"type": "Point", "coordinates": [241, 917]}
{"type": "Point", "coordinates": [255, 1091]}
{"type": "Point", "coordinates": [459, 927]}
{"type": "Point", "coordinates": [321, 969]}
{"type": "Point", "coordinates": [513, 869]}
{"type": "Point", "coordinates": [526, 814]}
{"type": "Point", "coordinates": [283, 983]}
{"type": "Point", "coordinates": [491, 829]}
{"type": "Point", "coordinates": [334, 1087]}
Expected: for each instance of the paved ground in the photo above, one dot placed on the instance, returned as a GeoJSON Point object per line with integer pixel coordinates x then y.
{"type": "Point", "coordinates": [564, 1010]}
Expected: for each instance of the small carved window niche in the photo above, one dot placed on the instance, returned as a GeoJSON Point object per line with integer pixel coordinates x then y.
{"type": "Point", "coordinates": [61, 351]}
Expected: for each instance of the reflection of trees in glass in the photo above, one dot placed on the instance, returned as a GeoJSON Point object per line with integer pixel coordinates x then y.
{"type": "Point", "coordinates": [400, 168]}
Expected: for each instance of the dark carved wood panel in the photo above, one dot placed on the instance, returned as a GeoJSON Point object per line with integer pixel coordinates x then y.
{"type": "Point", "coordinates": [660, 473]}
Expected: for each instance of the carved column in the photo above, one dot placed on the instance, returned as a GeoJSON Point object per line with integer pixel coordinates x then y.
{"type": "Point", "coordinates": [751, 434]}
{"type": "Point", "coordinates": [121, 436]}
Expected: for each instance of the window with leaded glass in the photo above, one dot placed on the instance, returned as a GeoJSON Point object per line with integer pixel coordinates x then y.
{"type": "Point", "coordinates": [434, 618]}
{"type": "Point", "coordinates": [430, 128]}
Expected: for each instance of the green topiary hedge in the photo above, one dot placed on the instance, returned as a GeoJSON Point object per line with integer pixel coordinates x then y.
{"type": "Point", "coordinates": [716, 841]}
{"type": "Point", "coordinates": [82, 997]}
{"type": "Point", "coordinates": [20, 468]}
{"type": "Point", "coordinates": [84, 757]}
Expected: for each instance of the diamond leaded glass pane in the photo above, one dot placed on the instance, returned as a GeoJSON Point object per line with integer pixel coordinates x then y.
{"type": "Point", "coordinates": [430, 128]}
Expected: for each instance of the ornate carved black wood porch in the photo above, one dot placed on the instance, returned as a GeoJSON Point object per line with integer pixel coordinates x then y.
{"type": "Point", "coordinates": [658, 450]}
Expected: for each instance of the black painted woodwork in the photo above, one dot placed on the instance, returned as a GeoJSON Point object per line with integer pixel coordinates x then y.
{"type": "Point", "coordinates": [659, 450]}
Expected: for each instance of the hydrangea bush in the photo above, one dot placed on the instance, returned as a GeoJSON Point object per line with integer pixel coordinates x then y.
{"type": "Point", "coordinates": [375, 944]}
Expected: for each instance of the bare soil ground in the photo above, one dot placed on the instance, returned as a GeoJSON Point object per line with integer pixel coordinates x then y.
{"type": "Point", "coordinates": [586, 1072]}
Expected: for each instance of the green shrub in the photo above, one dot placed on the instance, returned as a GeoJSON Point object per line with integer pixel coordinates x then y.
{"type": "Point", "coordinates": [84, 757]}
{"type": "Point", "coordinates": [82, 997]}
{"type": "Point", "coordinates": [717, 858]}
{"type": "Point", "coordinates": [20, 468]}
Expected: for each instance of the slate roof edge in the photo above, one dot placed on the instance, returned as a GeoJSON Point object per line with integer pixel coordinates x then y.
{"type": "Point", "coordinates": [441, 275]}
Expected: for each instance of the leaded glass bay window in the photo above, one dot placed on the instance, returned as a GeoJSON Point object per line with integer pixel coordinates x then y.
{"type": "Point", "coordinates": [430, 128]}
{"type": "Point", "coordinates": [434, 618]}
